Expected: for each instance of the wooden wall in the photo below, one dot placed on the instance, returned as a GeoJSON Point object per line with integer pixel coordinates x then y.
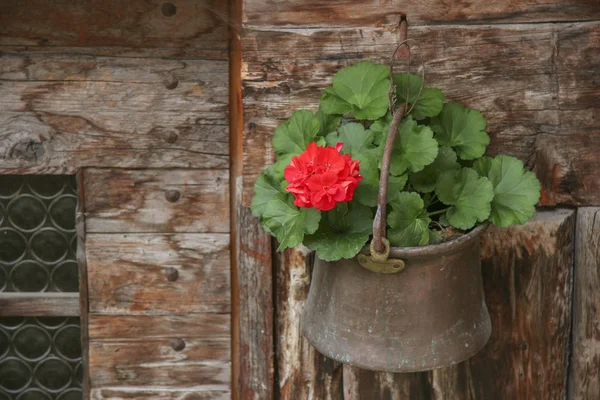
{"type": "Point", "coordinates": [531, 68]}
{"type": "Point", "coordinates": [134, 96]}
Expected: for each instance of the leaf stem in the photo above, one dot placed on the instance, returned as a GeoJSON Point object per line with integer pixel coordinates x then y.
{"type": "Point", "coordinates": [437, 212]}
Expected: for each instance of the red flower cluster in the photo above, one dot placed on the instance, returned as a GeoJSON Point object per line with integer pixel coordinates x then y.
{"type": "Point", "coordinates": [321, 177]}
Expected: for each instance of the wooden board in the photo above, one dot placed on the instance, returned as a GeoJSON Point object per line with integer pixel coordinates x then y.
{"type": "Point", "coordinates": [515, 74]}
{"type": "Point", "coordinates": [128, 273]}
{"type": "Point", "coordinates": [60, 112]}
{"type": "Point", "coordinates": [303, 373]}
{"type": "Point", "coordinates": [135, 201]}
{"type": "Point", "coordinates": [584, 381]}
{"type": "Point", "coordinates": [39, 304]}
{"type": "Point", "coordinates": [362, 385]}
{"type": "Point", "coordinates": [203, 362]}
{"type": "Point", "coordinates": [200, 26]}
{"type": "Point", "coordinates": [104, 328]}
{"type": "Point", "coordinates": [333, 13]}
{"type": "Point", "coordinates": [527, 272]}
{"type": "Point", "coordinates": [255, 313]}
{"type": "Point", "coordinates": [148, 393]}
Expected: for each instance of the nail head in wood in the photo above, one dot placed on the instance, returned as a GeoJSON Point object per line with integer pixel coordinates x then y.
{"type": "Point", "coordinates": [172, 274]}
{"type": "Point", "coordinates": [172, 196]}
{"type": "Point", "coordinates": [171, 83]}
{"type": "Point", "coordinates": [168, 9]}
{"type": "Point", "coordinates": [178, 344]}
{"type": "Point", "coordinates": [170, 137]}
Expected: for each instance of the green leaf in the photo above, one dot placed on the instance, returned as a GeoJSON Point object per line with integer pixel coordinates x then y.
{"type": "Point", "coordinates": [414, 147]}
{"type": "Point", "coordinates": [428, 104]}
{"type": "Point", "coordinates": [294, 136]}
{"type": "Point", "coordinates": [266, 187]}
{"type": "Point", "coordinates": [361, 90]}
{"type": "Point", "coordinates": [468, 195]}
{"type": "Point", "coordinates": [408, 221]}
{"type": "Point", "coordinates": [342, 232]}
{"type": "Point", "coordinates": [380, 129]}
{"type": "Point", "coordinates": [424, 181]}
{"type": "Point", "coordinates": [461, 128]}
{"type": "Point", "coordinates": [516, 190]}
{"type": "Point", "coordinates": [358, 143]}
{"type": "Point", "coordinates": [368, 189]}
{"type": "Point", "coordinates": [287, 222]}
{"type": "Point", "coordinates": [327, 123]}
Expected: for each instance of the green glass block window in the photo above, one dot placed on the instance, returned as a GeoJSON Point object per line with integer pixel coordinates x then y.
{"type": "Point", "coordinates": [40, 356]}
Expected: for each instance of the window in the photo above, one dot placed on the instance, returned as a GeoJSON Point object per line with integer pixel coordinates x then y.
{"type": "Point", "coordinates": [40, 335]}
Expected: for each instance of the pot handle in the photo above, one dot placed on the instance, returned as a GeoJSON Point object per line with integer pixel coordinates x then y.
{"type": "Point", "coordinates": [380, 246]}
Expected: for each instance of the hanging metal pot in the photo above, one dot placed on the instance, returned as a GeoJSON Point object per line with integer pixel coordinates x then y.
{"type": "Point", "coordinates": [421, 309]}
{"type": "Point", "coordinates": [431, 314]}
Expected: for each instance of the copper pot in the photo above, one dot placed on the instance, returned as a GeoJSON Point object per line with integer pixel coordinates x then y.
{"type": "Point", "coordinates": [429, 315]}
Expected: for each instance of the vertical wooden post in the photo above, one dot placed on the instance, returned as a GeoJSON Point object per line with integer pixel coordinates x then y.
{"type": "Point", "coordinates": [83, 283]}
{"type": "Point", "coordinates": [584, 382]}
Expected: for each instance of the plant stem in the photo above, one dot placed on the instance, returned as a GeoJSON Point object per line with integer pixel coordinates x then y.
{"type": "Point", "coordinates": [437, 212]}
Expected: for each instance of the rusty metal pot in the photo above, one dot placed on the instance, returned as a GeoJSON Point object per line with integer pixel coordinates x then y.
{"type": "Point", "coordinates": [429, 315]}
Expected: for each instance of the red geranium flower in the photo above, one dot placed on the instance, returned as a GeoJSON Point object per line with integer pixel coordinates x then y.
{"type": "Point", "coordinates": [321, 177]}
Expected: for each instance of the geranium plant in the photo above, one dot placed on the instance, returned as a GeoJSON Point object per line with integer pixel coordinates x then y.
{"type": "Point", "coordinates": [322, 190]}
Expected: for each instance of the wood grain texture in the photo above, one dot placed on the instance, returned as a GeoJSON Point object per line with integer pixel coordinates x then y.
{"type": "Point", "coordinates": [203, 362]}
{"type": "Point", "coordinates": [66, 111]}
{"type": "Point", "coordinates": [584, 382]}
{"type": "Point", "coordinates": [333, 13]}
{"type": "Point", "coordinates": [142, 393]}
{"type": "Point", "coordinates": [527, 273]}
{"type": "Point", "coordinates": [303, 373]}
{"type": "Point", "coordinates": [135, 201]}
{"type": "Point", "coordinates": [128, 273]}
{"type": "Point", "coordinates": [13, 304]}
{"type": "Point", "coordinates": [255, 277]}
{"type": "Point", "coordinates": [520, 76]}
{"type": "Point", "coordinates": [198, 26]}
{"type": "Point", "coordinates": [363, 385]}
{"type": "Point", "coordinates": [84, 306]}
{"type": "Point", "coordinates": [104, 328]}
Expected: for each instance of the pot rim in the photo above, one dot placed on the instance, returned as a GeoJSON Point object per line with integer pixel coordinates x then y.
{"type": "Point", "coordinates": [438, 249]}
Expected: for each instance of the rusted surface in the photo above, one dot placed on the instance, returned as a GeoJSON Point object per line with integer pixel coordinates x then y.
{"type": "Point", "coordinates": [534, 84]}
{"type": "Point", "coordinates": [198, 26]}
{"type": "Point", "coordinates": [134, 200]}
{"type": "Point", "coordinates": [429, 315]}
{"type": "Point", "coordinates": [584, 380]}
{"type": "Point", "coordinates": [302, 372]}
{"type": "Point", "coordinates": [126, 273]}
{"type": "Point", "coordinates": [335, 13]}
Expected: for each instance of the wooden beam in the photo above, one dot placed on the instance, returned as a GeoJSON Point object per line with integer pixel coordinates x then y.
{"type": "Point", "coordinates": [584, 382]}
{"type": "Point", "coordinates": [337, 13]}
{"type": "Point", "coordinates": [13, 304]}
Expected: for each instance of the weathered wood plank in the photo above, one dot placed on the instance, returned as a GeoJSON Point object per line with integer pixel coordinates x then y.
{"type": "Point", "coordinates": [141, 393]}
{"type": "Point", "coordinates": [136, 200]}
{"type": "Point", "coordinates": [203, 362]}
{"type": "Point", "coordinates": [362, 385]}
{"type": "Point", "coordinates": [13, 304]}
{"type": "Point", "coordinates": [584, 382]}
{"type": "Point", "coordinates": [186, 24]}
{"type": "Point", "coordinates": [255, 314]}
{"type": "Point", "coordinates": [158, 274]}
{"type": "Point", "coordinates": [104, 328]}
{"type": "Point", "coordinates": [83, 284]}
{"type": "Point", "coordinates": [303, 373]}
{"type": "Point", "coordinates": [527, 273]}
{"type": "Point", "coordinates": [333, 13]}
{"type": "Point", "coordinates": [509, 72]}
{"type": "Point", "coordinates": [73, 110]}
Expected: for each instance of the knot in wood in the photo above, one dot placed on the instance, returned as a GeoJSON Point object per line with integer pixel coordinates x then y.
{"type": "Point", "coordinates": [178, 344]}
{"type": "Point", "coordinates": [172, 196]}
{"type": "Point", "coordinates": [172, 274]}
{"type": "Point", "coordinates": [170, 137]}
